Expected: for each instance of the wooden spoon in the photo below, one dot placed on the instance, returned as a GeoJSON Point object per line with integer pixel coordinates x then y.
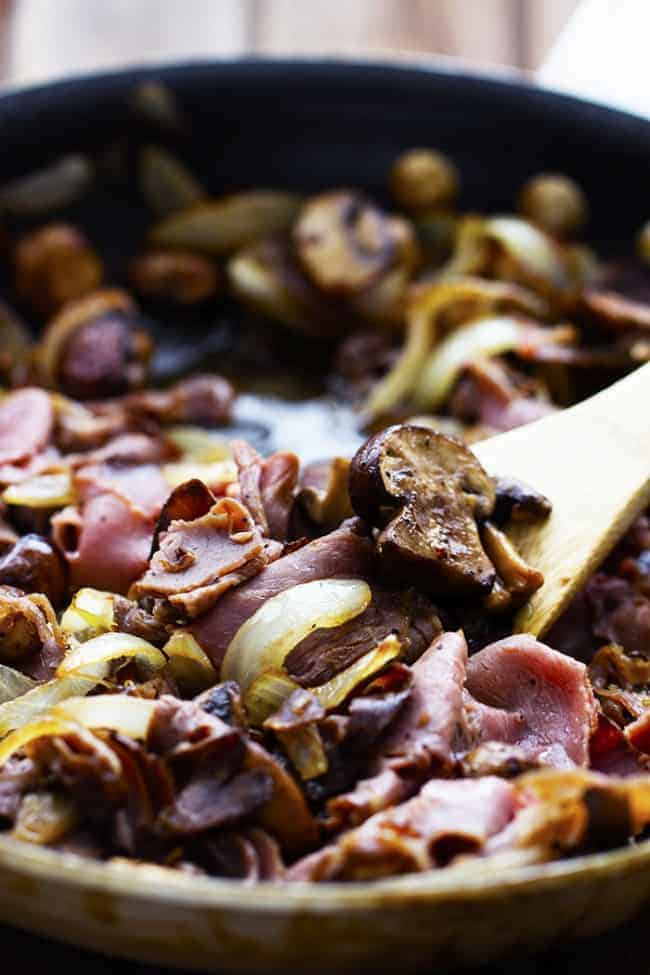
{"type": "Point", "coordinates": [593, 462]}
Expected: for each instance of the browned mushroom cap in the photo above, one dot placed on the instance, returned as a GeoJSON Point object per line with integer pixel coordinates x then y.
{"type": "Point", "coordinates": [34, 565]}
{"type": "Point", "coordinates": [554, 202]}
{"type": "Point", "coordinates": [423, 179]}
{"type": "Point", "coordinates": [54, 265]}
{"type": "Point", "coordinates": [345, 243]}
{"type": "Point", "coordinates": [428, 490]}
{"type": "Point", "coordinates": [174, 277]}
{"type": "Point", "coordinates": [94, 347]}
{"type": "Point", "coordinates": [188, 501]}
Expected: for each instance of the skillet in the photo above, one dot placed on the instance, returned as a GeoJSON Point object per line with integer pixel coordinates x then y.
{"type": "Point", "coordinates": [313, 125]}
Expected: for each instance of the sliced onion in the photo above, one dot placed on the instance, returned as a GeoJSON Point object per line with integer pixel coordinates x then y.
{"type": "Point", "coordinates": [397, 384]}
{"type": "Point", "coordinates": [167, 185]}
{"type": "Point", "coordinates": [35, 702]}
{"type": "Point", "coordinates": [47, 726]}
{"type": "Point", "coordinates": [268, 636]}
{"type": "Point", "coordinates": [110, 646]}
{"type": "Point", "coordinates": [197, 443]}
{"type": "Point", "coordinates": [486, 337]}
{"type": "Point", "coordinates": [217, 473]}
{"type": "Point", "coordinates": [475, 296]}
{"type": "Point", "coordinates": [89, 614]}
{"type": "Point", "coordinates": [266, 695]}
{"type": "Point", "coordinates": [48, 189]}
{"type": "Point", "coordinates": [336, 690]}
{"type": "Point", "coordinates": [264, 279]}
{"type": "Point", "coordinates": [13, 683]}
{"type": "Point", "coordinates": [304, 747]}
{"type": "Point", "coordinates": [43, 491]}
{"type": "Point", "coordinates": [129, 716]}
{"type": "Point", "coordinates": [530, 247]}
{"type": "Point", "coordinates": [223, 225]}
{"type": "Point", "coordinates": [189, 665]}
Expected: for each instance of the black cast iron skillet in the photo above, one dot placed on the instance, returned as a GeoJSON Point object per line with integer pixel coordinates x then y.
{"type": "Point", "coordinates": [313, 125]}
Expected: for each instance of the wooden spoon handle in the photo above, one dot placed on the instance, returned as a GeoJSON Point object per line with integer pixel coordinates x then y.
{"type": "Point", "coordinates": [593, 462]}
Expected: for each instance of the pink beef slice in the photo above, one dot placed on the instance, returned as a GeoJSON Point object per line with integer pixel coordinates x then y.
{"type": "Point", "coordinates": [26, 423]}
{"type": "Point", "coordinates": [448, 817]}
{"type": "Point", "coordinates": [421, 737]}
{"type": "Point", "coordinates": [344, 553]}
{"type": "Point", "coordinates": [419, 742]}
{"type": "Point", "coordinates": [521, 692]}
{"type": "Point", "coordinates": [106, 539]}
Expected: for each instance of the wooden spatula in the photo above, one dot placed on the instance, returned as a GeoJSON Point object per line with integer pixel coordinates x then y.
{"type": "Point", "coordinates": [593, 462]}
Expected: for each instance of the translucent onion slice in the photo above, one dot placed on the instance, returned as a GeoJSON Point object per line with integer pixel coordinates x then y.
{"type": "Point", "coordinates": [52, 490]}
{"type": "Point", "coordinates": [218, 472]}
{"type": "Point", "coordinates": [197, 443]}
{"type": "Point", "coordinates": [397, 384]}
{"type": "Point", "coordinates": [13, 683]}
{"type": "Point", "coordinates": [130, 716]}
{"type": "Point", "coordinates": [24, 709]}
{"type": "Point", "coordinates": [48, 189]}
{"type": "Point", "coordinates": [427, 303]}
{"type": "Point", "coordinates": [530, 247]}
{"type": "Point", "coordinates": [47, 726]}
{"type": "Point", "coordinates": [89, 613]}
{"type": "Point", "coordinates": [486, 337]}
{"type": "Point", "coordinates": [189, 665]}
{"type": "Point", "coordinates": [265, 639]}
{"type": "Point", "coordinates": [267, 694]}
{"type": "Point", "coordinates": [167, 185]}
{"type": "Point", "coordinates": [304, 747]}
{"type": "Point", "coordinates": [223, 225]}
{"type": "Point", "coordinates": [336, 690]}
{"type": "Point", "coordinates": [110, 646]}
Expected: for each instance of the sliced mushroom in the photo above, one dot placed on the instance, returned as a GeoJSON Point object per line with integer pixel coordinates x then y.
{"type": "Point", "coordinates": [54, 265]}
{"type": "Point", "coordinates": [518, 580]}
{"type": "Point", "coordinates": [426, 492]}
{"type": "Point", "coordinates": [94, 348]}
{"type": "Point", "coordinates": [25, 626]}
{"type": "Point", "coordinates": [324, 492]}
{"type": "Point", "coordinates": [345, 243]}
{"type": "Point", "coordinates": [517, 501]}
{"type": "Point", "coordinates": [188, 501]}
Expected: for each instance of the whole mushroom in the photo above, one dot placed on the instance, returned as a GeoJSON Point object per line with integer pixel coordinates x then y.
{"type": "Point", "coordinates": [427, 493]}
{"type": "Point", "coordinates": [95, 348]}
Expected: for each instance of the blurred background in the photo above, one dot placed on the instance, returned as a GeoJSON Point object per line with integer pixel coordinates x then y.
{"type": "Point", "coordinates": [591, 47]}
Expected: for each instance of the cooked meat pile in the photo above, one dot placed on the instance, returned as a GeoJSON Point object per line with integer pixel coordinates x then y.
{"type": "Point", "coordinates": [249, 667]}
